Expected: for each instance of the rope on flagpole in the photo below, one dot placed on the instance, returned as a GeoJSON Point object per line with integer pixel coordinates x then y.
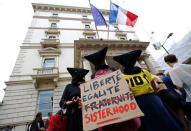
{"type": "Point", "coordinates": [94, 20]}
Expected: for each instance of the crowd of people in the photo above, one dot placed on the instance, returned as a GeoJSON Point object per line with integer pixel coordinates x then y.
{"type": "Point", "coordinates": [165, 100]}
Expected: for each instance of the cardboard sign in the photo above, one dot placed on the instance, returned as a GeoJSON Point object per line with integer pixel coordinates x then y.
{"type": "Point", "coordinates": [107, 100]}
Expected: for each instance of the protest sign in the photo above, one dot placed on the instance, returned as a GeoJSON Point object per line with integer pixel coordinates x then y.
{"type": "Point", "coordinates": [107, 100]}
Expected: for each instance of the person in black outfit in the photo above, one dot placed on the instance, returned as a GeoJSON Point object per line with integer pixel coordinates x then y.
{"type": "Point", "coordinates": [98, 60]}
{"type": "Point", "coordinates": [71, 99]}
{"type": "Point", "coordinates": [37, 124]}
{"type": "Point", "coordinates": [101, 68]}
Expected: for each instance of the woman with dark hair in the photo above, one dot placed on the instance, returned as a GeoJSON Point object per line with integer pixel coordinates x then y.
{"type": "Point", "coordinates": [71, 99]}
{"type": "Point", "coordinates": [37, 124]}
{"type": "Point", "coordinates": [98, 60]}
{"type": "Point", "coordinates": [157, 117]}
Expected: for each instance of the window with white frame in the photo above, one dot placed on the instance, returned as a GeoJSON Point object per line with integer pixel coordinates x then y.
{"type": "Point", "coordinates": [84, 16]}
{"type": "Point", "coordinates": [49, 62]}
{"type": "Point", "coordinates": [53, 25]}
{"type": "Point", "coordinates": [89, 37]}
{"type": "Point", "coordinates": [122, 38]}
{"type": "Point", "coordinates": [45, 102]}
{"type": "Point", "coordinates": [54, 14]}
{"type": "Point", "coordinates": [52, 37]}
{"type": "Point", "coordinates": [116, 27]}
{"type": "Point", "coordinates": [87, 26]}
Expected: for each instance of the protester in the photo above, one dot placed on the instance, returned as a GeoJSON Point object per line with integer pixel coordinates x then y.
{"type": "Point", "coordinates": [171, 102]}
{"type": "Point", "coordinates": [58, 122]}
{"type": "Point", "coordinates": [172, 88]}
{"type": "Point", "coordinates": [37, 124]}
{"type": "Point", "coordinates": [160, 75]}
{"type": "Point", "coordinates": [8, 128]}
{"type": "Point", "coordinates": [47, 121]}
{"type": "Point", "coordinates": [166, 96]}
{"type": "Point", "coordinates": [98, 60]}
{"type": "Point", "coordinates": [100, 67]}
{"type": "Point", "coordinates": [156, 116]}
{"type": "Point", "coordinates": [71, 99]}
{"type": "Point", "coordinates": [180, 74]}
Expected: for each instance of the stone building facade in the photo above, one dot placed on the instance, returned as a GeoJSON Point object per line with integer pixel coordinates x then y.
{"type": "Point", "coordinates": [59, 37]}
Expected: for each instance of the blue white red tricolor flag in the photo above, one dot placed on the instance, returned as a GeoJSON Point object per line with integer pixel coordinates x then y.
{"type": "Point", "coordinates": [121, 16]}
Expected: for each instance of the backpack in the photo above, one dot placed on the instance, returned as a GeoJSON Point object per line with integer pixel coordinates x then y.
{"type": "Point", "coordinates": [34, 126]}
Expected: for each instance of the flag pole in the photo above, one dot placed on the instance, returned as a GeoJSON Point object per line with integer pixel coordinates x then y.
{"type": "Point", "coordinates": [108, 33]}
{"type": "Point", "coordinates": [108, 23]}
{"type": "Point", "coordinates": [94, 20]}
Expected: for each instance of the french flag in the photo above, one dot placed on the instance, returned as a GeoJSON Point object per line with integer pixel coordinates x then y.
{"type": "Point", "coordinates": [121, 16]}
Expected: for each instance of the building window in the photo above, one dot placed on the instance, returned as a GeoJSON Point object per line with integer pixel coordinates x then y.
{"type": "Point", "coordinates": [52, 37]}
{"type": "Point", "coordinates": [85, 16]}
{"type": "Point", "coordinates": [53, 25]}
{"type": "Point", "coordinates": [49, 62]}
{"type": "Point", "coordinates": [116, 27]}
{"type": "Point", "coordinates": [54, 14]}
{"type": "Point", "coordinates": [122, 38]}
{"type": "Point", "coordinates": [89, 37]}
{"type": "Point", "coordinates": [45, 102]}
{"type": "Point", "coordinates": [87, 26]}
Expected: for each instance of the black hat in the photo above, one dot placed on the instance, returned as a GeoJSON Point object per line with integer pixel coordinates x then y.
{"type": "Point", "coordinates": [77, 74]}
{"type": "Point", "coordinates": [98, 59]}
{"type": "Point", "coordinates": [128, 60]}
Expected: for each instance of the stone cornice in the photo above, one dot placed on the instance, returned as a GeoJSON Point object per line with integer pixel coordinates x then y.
{"type": "Point", "coordinates": [49, 51]}
{"type": "Point", "coordinates": [112, 44]}
{"type": "Point", "coordinates": [12, 82]}
{"type": "Point", "coordinates": [79, 29]}
{"type": "Point", "coordinates": [30, 74]}
{"type": "Point", "coordinates": [38, 46]}
{"type": "Point", "coordinates": [84, 44]}
{"type": "Point", "coordinates": [65, 18]}
{"type": "Point", "coordinates": [62, 8]}
{"type": "Point", "coordinates": [18, 82]}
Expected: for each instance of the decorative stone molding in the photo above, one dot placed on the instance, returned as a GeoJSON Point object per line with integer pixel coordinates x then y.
{"type": "Point", "coordinates": [18, 82]}
{"type": "Point", "coordinates": [49, 51]}
{"type": "Point", "coordinates": [53, 28]}
{"type": "Point", "coordinates": [120, 33]}
{"type": "Point", "coordinates": [40, 75]}
{"type": "Point", "coordinates": [89, 32]}
{"type": "Point", "coordinates": [52, 31]}
{"type": "Point", "coordinates": [86, 21]}
{"type": "Point", "coordinates": [59, 8]}
{"type": "Point", "coordinates": [54, 19]}
{"type": "Point", "coordinates": [84, 45]}
{"type": "Point", "coordinates": [76, 29]}
{"type": "Point", "coordinates": [50, 43]}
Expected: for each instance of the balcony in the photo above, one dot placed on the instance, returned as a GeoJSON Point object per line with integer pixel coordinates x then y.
{"type": "Point", "coordinates": [120, 33]}
{"type": "Point", "coordinates": [42, 75]}
{"type": "Point", "coordinates": [54, 19]}
{"type": "Point", "coordinates": [89, 32]}
{"type": "Point", "coordinates": [50, 42]}
{"type": "Point", "coordinates": [53, 31]}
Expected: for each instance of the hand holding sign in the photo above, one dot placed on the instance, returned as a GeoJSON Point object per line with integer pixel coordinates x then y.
{"type": "Point", "coordinates": [80, 103]}
{"type": "Point", "coordinates": [73, 101]}
{"type": "Point", "coordinates": [107, 100]}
